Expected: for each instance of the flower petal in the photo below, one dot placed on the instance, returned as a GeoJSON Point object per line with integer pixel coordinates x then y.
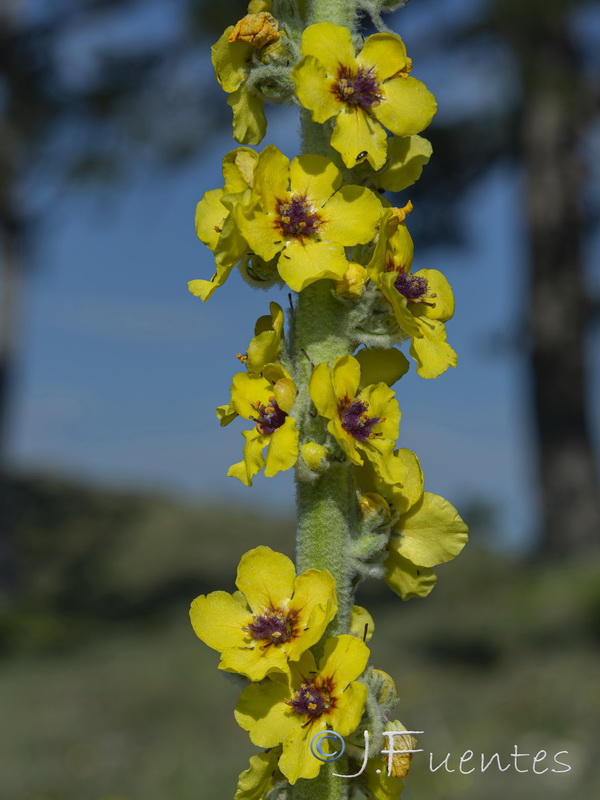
{"type": "Point", "coordinates": [443, 302]}
{"type": "Point", "coordinates": [431, 533]}
{"type": "Point", "coordinates": [249, 121]}
{"type": "Point", "coordinates": [404, 497]}
{"type": "Point", "coordinates": [230, 247]}
{"type": "Point", "coordinates": [255, 662]}
{"type": "Point", "coordinates": [248, 390]}
{"type": "Point", "coordinates": [260, 230]}
{"type": "Point", "coordinates": [361, 623]}
{"type": "Point", "coordinates": [301, 264]}
{"type": "Point", "coordinates": [320, 389]}
{"type": "Point", "coordinates": [205, 289]}
{"type": "Point", "coordinates": [400, 305]}
{"type": "Point", "coordinates": [219, 620]}
{"type": "Point", "coordinates": [255, 782]}
{"type": "Point", "coordinates": [271, 177]}
{"type": "Point", "coordinates": [226, 414]}
{"type": "Point", "coordinates": [350, 217]}
{"type": "Point", "coordinates": [385, 53]}
{"type": "Point", "coordinates": [315, 603]}
{"type": "Point", "coordinates": [382, 403]}
{"type": "Point", "coordinates": [407, 579]}
{"type": "Point", "coordinates": [379, 452]}
{"type": "Point", "coordinates": [238, 169]}
{"type": "Point", "coordinates": [345, 377]}
{"type": "Point", "coordinates": [407, 156]}
{"type": "Point", "coordinates": [314, 89]}
{"type": "Point", "coordinates": [263, 712]}
{"type": "Point", "coordinates": [316, 177]}
{"type": "Point", "coordinates": [380, 364]}
{"type": "Point", "coordinates": [296, 759]}
{"type": "Point", "coordinates": [266, 578]}
{"type": "Point", "coordinates": [330, 44]}
{"type": "Point", "coordinates": [408, 106]}
{"type": "Point", "coordinates": [253, 461]}
{"type": "Point", "coordinates": [344, 659]}
{"type": "Point", "coordinates": [345, 440]}
{"type": "Point", "coordinates": [230, 61]}
{"type": "Point", "coordinates": [283, 448]}
{"type": "Point", "coordinates": [354, 133]}
{"type": "Point", "coordinates": [431, 351]}
{"type": "Point", "coordinates": [210, 215]}
{"type": "Point", "coordinates": [350, 706]}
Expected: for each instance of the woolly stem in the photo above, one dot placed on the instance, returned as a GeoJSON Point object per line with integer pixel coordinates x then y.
{"type": "Point", "coordinates": [339, 12]}
{"type": "Point", "coordinates": [327, 506]}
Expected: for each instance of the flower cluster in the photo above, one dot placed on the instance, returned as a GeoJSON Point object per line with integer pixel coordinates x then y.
{"type": "Point", "coordinates": [318, 390]}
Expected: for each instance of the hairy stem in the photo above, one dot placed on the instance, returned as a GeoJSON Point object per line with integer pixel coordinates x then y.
{"type": "Point", "coordinates": [327, 506]}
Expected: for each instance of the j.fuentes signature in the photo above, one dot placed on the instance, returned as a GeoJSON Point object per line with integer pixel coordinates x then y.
{"type": "Point", "coordinates": [465, 764]}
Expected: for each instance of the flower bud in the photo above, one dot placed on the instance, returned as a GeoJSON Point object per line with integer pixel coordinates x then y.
{"type": "Point", "coordinates": [353, 281]}
{"type": "Point", "coordinates": [315, 456]}
{"type": "Point", "coordinates": [258, 30]}
{"type": "Point", "coordinates": [285, 394]}
{"type": "Point", "coordinates": [400, 762]}
{"type": "Point", "coordinates": [372, 503]}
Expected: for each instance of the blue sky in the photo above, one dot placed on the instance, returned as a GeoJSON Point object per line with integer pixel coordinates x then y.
{"type": "Point", "coordinates": [122, 368]}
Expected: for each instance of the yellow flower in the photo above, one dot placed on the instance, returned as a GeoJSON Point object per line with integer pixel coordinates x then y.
{"type": "Point", "coordinates": [353, 282]}
{"type": "Point", "coordinates": [215, 224]}
{"type": "Point", "coordinates": [379, 784]}
{"type": "Point", "coordinates": [254, 35]}
{"type": "Point", "coordinates": [366, 93]}
{"type": "Point", "coordinates": [428, 530]}
{"type": "Point", "coordinates": [260, 777]}
{"type": "Point", "coordinates": [383, 773]}
{"type": "Point", "coordinates": [421, 301]}
{"type": "Point", "coordinates": [407, 155]}
{"type": "Point", "coordinates": [267, 400]}
{"type": "Point", "coordinates": [292, 709]}
{"type": "Point", "coordinates": [314, 455]}
{"type": "Point", "coordinates": [361, 623]}
{"type": "Point", "coordinates": [277, 617]}
{"type": "Point", "coordinates": [364, 421]}
{"type": "Point", "coordinates": [302, 216]}
{"type": "Point", "coordinates": [264, 348]}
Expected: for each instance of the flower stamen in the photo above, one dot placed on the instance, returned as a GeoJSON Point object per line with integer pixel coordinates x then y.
{"type": "Point", "coordinates": [356, 421]}
{"type": "Point", "coordinates": [359, 88]}
{"type": "Point", "coordinates": [413, 287]}
{"type": "Point", "coordinates": [313, 699]}
{"type": "Point", "coordinates": [275, 627]}
{"type": "Point", "coordinates": [297, 217]}
{"type": "Point", "coordinates": [271, 417]}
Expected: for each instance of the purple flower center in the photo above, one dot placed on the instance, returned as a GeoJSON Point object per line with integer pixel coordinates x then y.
{"type": "Point", "coordinates": [311, 700]}
{"type": "Point", "coordinates": [275, 627]}
{"type": "Point", "coordinates": [296, 217]}
{"type": "Point", "coordinates": [413, 287]}
{"type": "Point", "coordinates": [271, 417]}
{"type": "Point", "coordinates": [357, 88]}
{"type": "Point", "coordinates": [356, 421]}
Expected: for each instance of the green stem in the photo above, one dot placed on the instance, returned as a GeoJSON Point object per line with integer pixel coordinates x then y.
{"type": "Point", "coordinates": [325, 786]}
{"type": "Point", "coordinates": [327, 506]}
{"type": "Point", "coordinates": [339, 12]}
{"type": "Point", "coordinates": [324, 534]}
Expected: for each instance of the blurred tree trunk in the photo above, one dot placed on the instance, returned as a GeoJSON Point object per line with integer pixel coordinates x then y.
{"type": "Point", "coordinates": [556, 110]}
{"type": "Point", "coordinates": [12, 234]}
{"type": "Point", "coordinates": [11, 263]}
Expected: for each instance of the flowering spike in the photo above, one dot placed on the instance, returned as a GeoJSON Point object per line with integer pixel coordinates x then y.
{"type": "Point", "coordinates": [317, 393]}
